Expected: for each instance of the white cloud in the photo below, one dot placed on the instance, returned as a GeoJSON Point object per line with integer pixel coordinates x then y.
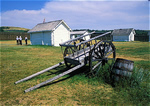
{"type": "Point", "coordinates": [22, 17]}
{"type": "Point", "coordinates": [81, 14]}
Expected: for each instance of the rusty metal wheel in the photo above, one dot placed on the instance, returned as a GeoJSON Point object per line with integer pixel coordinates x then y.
{"type": "Point", "coordinates": [102, 55]}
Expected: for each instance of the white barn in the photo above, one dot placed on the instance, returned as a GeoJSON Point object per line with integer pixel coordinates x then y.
{"type": "Point", "coordinates": [50, 33]}
{"type": "Point", "coordinates": [75, 34]}
{"type": "Point", "coordinates": [123, 34]}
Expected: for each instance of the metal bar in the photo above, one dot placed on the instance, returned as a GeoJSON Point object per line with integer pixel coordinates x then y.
{"type": "Point", "coordinates": [67, 45]}
{"type": "Point", "coordinates": [98, 70]}
{"type": "Point", "coordinates": [63, 44]}
{"type": "Point", "coordinates": [109, 53]}
{"type": "Point", "coordinates": [54, 78]}
{"type": "Point", "coordinates": [95, 41]}
{"type": "Point", "coordinates": [96, 60]}
{"type": "Point", "coordinates": [93, 38]}
{"type": "Point", "coordinates": [96, 65]}
{"type": "Point", "coordinates": [38, 73]}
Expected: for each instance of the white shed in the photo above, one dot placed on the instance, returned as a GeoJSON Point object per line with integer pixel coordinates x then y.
{"type": "Point", "coordinates": [123, 34]}
{"type": "Point", "coordinates": [50, 33]}
{"type": "Point", "coordinates": [75, 34]}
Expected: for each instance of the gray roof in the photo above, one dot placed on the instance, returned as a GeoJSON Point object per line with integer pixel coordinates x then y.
{"type": "Point", "coordinates": [46, 26]}
{"type": "Point", "coordinates": [78, 32]}
{"type": "Point", "coordinates": [122, 32]}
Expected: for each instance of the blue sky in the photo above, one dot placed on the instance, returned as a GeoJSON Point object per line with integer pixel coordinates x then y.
{"type": "Point", "coordinates": [78, 14]}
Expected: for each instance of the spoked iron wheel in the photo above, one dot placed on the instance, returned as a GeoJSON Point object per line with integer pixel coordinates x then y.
{"type": "Point", "coordinates": [102, 55]}
{"type": "Point", "coordinates": [68, 51]}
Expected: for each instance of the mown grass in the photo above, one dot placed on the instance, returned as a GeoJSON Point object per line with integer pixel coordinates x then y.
{"type": "Point", "coordinates": [139, 52]}
{"type": "Point", "coordinates": [76, 88]}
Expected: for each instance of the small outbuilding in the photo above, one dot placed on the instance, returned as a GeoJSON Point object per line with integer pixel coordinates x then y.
{"type": "Point", "coordinates": [50, 33]}
{"type": "Point", "coordinates": [75, 34]}
{"type": "Point", "coordinates": [123, 34]}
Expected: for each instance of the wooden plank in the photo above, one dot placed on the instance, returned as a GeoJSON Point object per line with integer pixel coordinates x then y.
{"type": "Point", "coordinates": [64, 43]}
{"type": "Point", "coordinates": [79, 56]}
{"type": "Point", "coordinates": [38, 73]}
{"type": "Point", "coordinates": [80, 52]}
{"type": "Point", "coordinates": [68, 45]}
{"type": "Point", "coordinates": [54, 78]}
{"type": "Point", "coordinates": [93, 38]}
{"type": "Point", "coordinates": [72, 61]}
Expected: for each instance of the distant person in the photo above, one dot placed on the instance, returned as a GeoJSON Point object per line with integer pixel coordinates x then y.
{"type": "Point", "coordinates": [20, 39]}
{"type": "Point", "coordinates": [17, 39]}
{"type": "Point", "coordinates": [26, 40]}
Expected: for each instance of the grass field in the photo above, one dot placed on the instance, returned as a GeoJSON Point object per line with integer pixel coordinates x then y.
{"type": "Point", "coordinates": [19, 61]}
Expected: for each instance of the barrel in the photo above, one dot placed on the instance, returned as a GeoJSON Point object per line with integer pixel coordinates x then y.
{"type": "Point", "coordinates": [122, 69]}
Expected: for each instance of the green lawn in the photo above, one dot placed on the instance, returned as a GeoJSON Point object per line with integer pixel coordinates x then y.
{"type": "Point", "coordinates": [139, 52]}
{"type": "Point", "coordinates": [76, 88]}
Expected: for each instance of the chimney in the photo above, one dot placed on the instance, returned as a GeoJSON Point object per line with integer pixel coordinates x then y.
{"type": "Point", "coordinates": [44, 20]}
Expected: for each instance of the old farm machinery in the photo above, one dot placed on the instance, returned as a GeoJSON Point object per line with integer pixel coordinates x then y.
{"type": "Point", "coordinates": [79, 52]}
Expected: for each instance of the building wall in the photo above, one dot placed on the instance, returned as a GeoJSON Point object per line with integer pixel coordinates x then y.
{"type": "Point", "coordinates": [124, 38]}
{"type": "Point", "coordinates": [61, 34]}
{"type": "Point", "coordinates": [46, 38]}
{"type": "Point", "coordinates": [40, 38]}
{"type": "Point", "coordinates": [87, 37]}
{"type": "Point", "coordinates": [120, 38]}
{"type": "Point", "coordinates": [72, 36]}
{"type": "Point", "coordinates": [35, 38]}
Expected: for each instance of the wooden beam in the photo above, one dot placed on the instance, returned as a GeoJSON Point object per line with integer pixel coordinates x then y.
{"type": "Point", "coordinates": [54, 78]}
{"type": "Point", "coordinates": [68, 45]}
{"type": "Point", "coordinates": [93, 38]}
{"type": "Point", "coordinates": [64, 43]}
{"type": "Point", "coordinates": [38, 73]}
